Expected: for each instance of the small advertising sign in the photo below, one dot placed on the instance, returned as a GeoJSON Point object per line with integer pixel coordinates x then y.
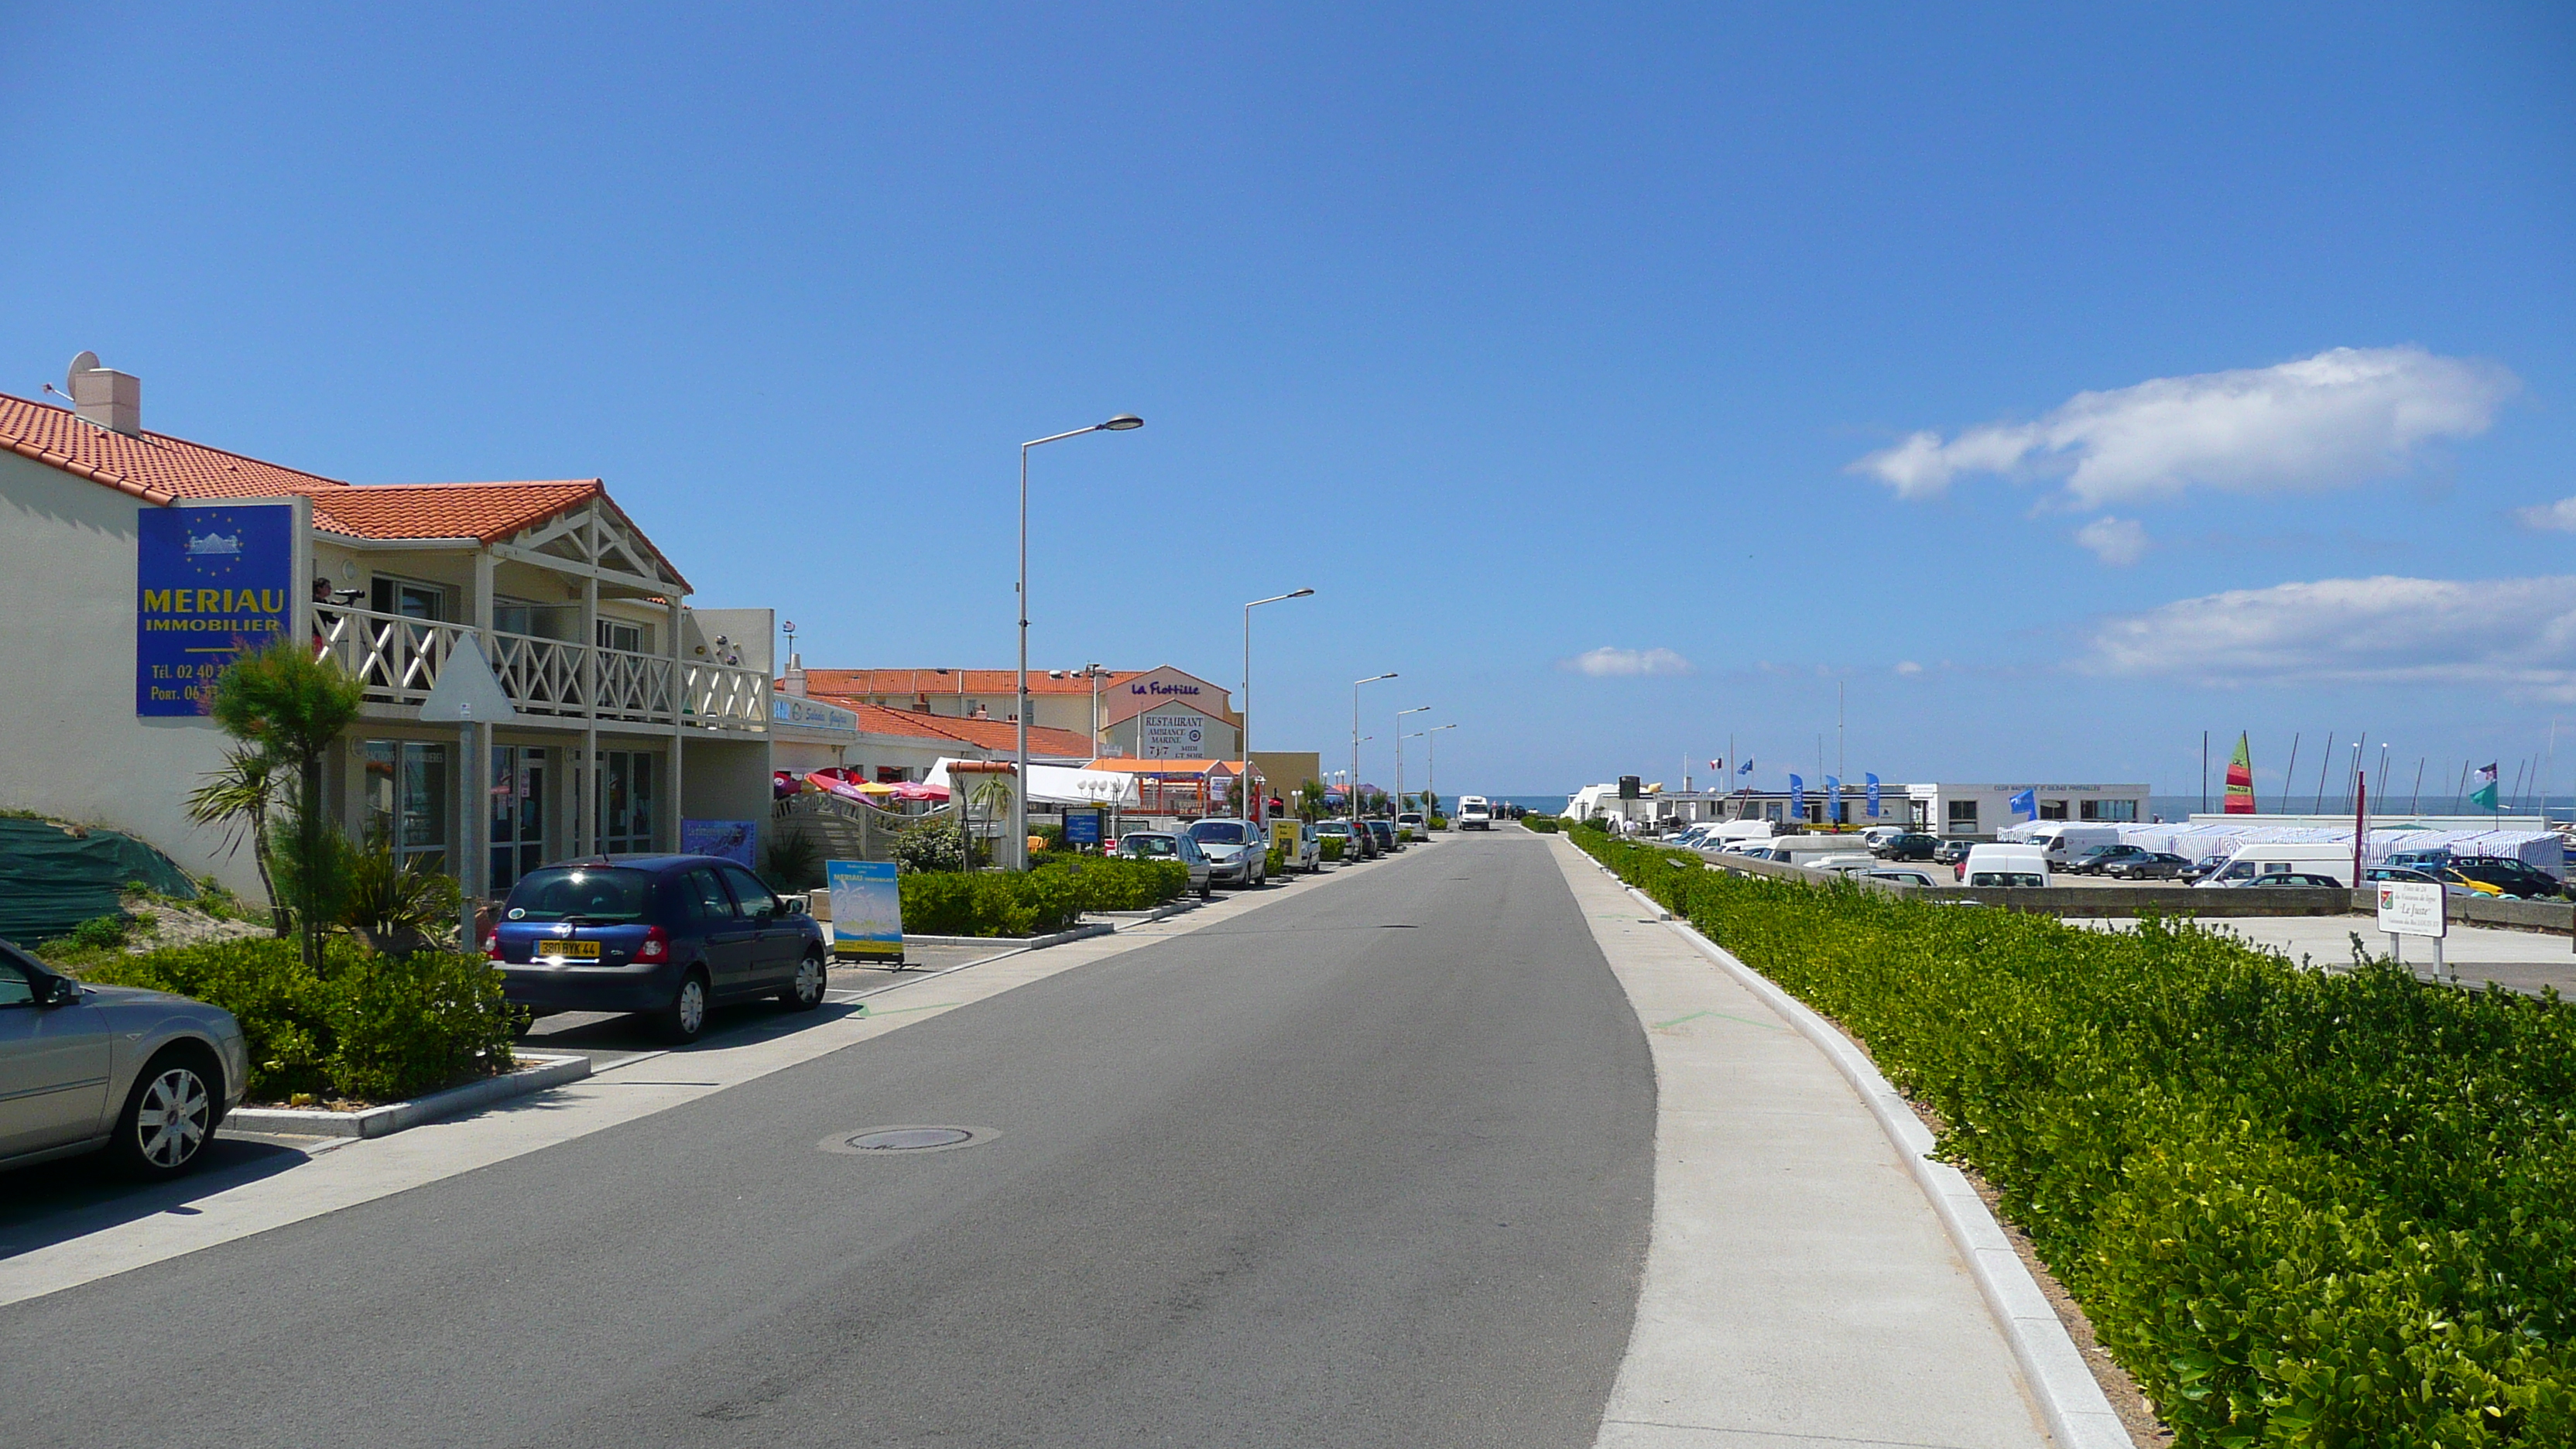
{"type": "Point", "coordinates": [867, 910]}
{"type": "Point", "coordinates": [1175, 736]}
{"type": "Point", "coordinates": [724, 839]}
{"type": "Point", "coordinates": [211, 581]}
{"type": "Point", "coordinates": [2412, 908]}
{"type": "Point", "coordinates": [1288, 837]}
{"type": "Point", "coordinates": [1082, 827]}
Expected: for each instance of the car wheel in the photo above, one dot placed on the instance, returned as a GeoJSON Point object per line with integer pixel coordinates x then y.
{"type": "Point", "coordinates": [168, 1115]}
{"type": "Point", "coordinates": [1207, 890]}
{"type": "Point", "coordinates": [806, 991]}
{"type": "Point", "coordinates": [685, 1018]}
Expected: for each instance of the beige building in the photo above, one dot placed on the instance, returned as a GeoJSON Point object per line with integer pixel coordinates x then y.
{"type": "Point", "coordinates": [1159, 713]}
{"type": "Point", "coordinates": [133, 563]}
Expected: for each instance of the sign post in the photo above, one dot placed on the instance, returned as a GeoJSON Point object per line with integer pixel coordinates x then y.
{"type": "Point", "coordinates": [2415, 908]}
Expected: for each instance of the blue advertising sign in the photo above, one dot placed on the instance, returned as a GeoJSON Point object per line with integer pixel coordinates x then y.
{"type": "Point", "coordinates": [1834, 800]}
{"type": "Point", "coordinates": [1872, 783]}
{"type": "Point", "coordinates": [1082, 827]}
{"type": "Point", "coordinates": [867, 910]}
{"type": "Point", "coordinates": [211, 581]}
{"type": "Point", "coordinates": [1797, 798]}
{"type": "Point", "coordinates": [724, 839]}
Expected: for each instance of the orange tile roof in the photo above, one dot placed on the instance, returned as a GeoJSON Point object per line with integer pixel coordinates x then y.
{"type": "Point", "coordinates": [162, 470]}
{"type": "Point", "coordinates": [910, 682]}
{"type": "Point", "coordinates": [989, 734]}
{"type": "Point", "coordinates": [1131, 766]}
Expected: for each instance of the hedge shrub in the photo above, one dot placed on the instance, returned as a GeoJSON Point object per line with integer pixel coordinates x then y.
{"type": "Point", "coordinates": [375, 1028]}
{"type": "Point", "coordinates": [1033, 903]}
{"type": "Point", "coordinates": [1544, 824]}
{"type": "Point", "coordinates": [2300, 1208]}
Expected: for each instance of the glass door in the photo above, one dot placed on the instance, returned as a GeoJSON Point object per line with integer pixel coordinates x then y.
{"type": "Point", "coordinates": [519, 843]}
{"type": "Point", "coordinates": [625, 792]}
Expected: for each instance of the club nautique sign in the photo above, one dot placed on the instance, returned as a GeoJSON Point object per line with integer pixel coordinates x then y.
{"type": "Point", "coordinates": [211, 581]}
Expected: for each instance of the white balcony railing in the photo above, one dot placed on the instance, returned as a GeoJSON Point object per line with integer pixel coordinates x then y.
{"type": "Point", "coordinates": [398, 660]}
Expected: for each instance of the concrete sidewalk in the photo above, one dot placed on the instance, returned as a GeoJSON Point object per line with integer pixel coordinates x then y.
{"type": "Point", "coordinates": [1799, 1288]}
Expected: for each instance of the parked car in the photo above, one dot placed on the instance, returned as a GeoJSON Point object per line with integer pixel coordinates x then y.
{"type": "Point", "coordinates": [2205, 867]}
{"type": "Point", "coordinates": [2306, 857]}
{"type": "Point", "coordinates": [1412, 826]}
{"type": "Point", "coordinates": [1951, 852]}
{"type": "Point", "coordinates": [1843, 864]}
{"type": "Point", "coordinates": [668, 935]}
{"type": "Point", "coordinates": [2147, 865]}
{"type": "Point", "coordinates": [2005, 865]}
{"type": "Point", "coordinates": [1878, 835]}
{"type": "Point", "coordinates": [1907, 845]}
{"type": "Point", "coordinates": [2296, 879]}
{"type": "Point", "coordinates": [2422, 876]}
{"type": "Point", "coordinates": [1238, 853]}
{"type": "Point", "coordinates": [1298, 843]}
{"type": "Point", "coordinates": [1475, 813]}
{"type": "Point", "coordinates": [1163, 845]}
{"type": "Point", "coordinates": [1383, 832]}
{"type": "Point", "coordinates": [2513, 877]}
{"type": "Point", "coordinates": [1357, 843]}
{"type": "Point", "coordinates": [1901, 877]}
{"type": "Point", "coordinates": [2092, 859]}
{"type": "Point", "coordinates": [144, 1075]}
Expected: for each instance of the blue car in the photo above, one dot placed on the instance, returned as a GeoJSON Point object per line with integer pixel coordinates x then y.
{"type": "Point", "coordinates": [669, 935]}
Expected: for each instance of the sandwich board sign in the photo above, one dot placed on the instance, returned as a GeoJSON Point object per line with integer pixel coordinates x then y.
{"type": "Point", "coordinates": [867, 911]}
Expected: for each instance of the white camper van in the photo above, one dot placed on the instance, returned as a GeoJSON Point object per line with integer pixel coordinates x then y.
{"type": "Point", "coordinates": [2312, 857]}
{"type": "Point", "coordinates": [2065, 842]}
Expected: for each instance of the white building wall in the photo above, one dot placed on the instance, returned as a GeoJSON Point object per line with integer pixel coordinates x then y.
{"type": "Point", "coordinates": [71, 745]}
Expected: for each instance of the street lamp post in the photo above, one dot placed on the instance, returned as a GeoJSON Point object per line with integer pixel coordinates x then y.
{"type": "Point", "coordinates": [1351, 797]}
{"type": "Point", "coordinates": [1399, 753]}
{"type": "Point", "coordinates": [1431, 786]}
{"type": "Point", "coordinates": [1020, 786]}
{"type": "Point", "coordinates": [1251, 810]}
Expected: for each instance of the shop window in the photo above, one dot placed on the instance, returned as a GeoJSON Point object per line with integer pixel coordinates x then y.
{"type": "Point", "coordinates": [407, 798]}
{"type": "Point", "coordinates": [2111, 811]}
{"type": "Point", "coordinates": [1963, 817]}
{"type": "Point", "coordinates": [2052, 809]}
{"type": "Point", "coordinates": [625, 792]}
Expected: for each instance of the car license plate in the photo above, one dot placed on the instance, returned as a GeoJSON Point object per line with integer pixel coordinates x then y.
{"type": "Point", "coordinates": [566, 949]}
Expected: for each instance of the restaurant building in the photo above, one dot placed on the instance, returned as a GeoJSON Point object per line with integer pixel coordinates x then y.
{"type": "Point", "coordinates": [1163, 713]}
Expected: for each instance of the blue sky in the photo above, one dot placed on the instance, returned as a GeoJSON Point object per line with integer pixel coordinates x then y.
{"type": "Point", "coordinates": [1798, 343]}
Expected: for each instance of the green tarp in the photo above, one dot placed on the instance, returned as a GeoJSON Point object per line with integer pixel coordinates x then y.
{"type": "Point", "coordinates": [52, 880]}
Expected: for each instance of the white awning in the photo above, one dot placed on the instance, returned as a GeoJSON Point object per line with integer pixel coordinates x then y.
{"type": "Point", "coordinates": [1062, 785]}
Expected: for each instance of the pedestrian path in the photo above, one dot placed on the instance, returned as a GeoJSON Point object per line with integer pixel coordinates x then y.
{"type": "Point", "coordinates": [1799, 1289]}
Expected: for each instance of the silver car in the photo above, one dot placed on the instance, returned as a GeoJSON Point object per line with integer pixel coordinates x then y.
{"type": "Point", "coordinates": [1238, 853]}
{"type": "Point", "coordinates": [143, 1074]}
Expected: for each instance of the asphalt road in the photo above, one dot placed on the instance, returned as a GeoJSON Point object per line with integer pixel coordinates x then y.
{"type": "Point", "coordinates": [1370, 1165]}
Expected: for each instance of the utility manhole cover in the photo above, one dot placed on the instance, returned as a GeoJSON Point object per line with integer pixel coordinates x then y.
{"type": "Point", "coordinates": [888, 1140]}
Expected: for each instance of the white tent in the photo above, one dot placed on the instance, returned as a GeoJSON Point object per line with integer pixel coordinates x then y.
{"type": "Point", "coordinates": [1061, 785]}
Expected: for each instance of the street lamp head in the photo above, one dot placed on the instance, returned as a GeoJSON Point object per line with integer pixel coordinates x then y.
{"type": "Point", "coordinates": [1123, 422]}
{"type": "Point", "coordinates": [1302, 594]}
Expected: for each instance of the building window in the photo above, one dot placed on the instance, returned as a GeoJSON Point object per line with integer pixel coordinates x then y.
{"type": "Point", "coordinates": [407, 795]}
{"type": "Point", "coordinates": [626, 797]}
{"type": "Point", "coordinates": [406, 597]}
{"type": "Point", "coordinates": [2120, 811]}
{"type": "Point", "coordinates": [2053, 809]}
{"type": "Point", "coordinates": [618, 634]}
{"type": "Point", "coordinates": [518, 813]}
{"type": "Point", "coordinates": [1963, 817]}
{"type": "Point", "coordinates": [892, 775]}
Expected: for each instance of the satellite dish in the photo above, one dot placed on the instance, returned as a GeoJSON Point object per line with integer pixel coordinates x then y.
{"type": "Point", "coordinates": [86, 362]}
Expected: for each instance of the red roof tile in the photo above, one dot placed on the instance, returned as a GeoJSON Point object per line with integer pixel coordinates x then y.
{"type": "Point", "coordinates": [990, 734]}
{"type": "Point", "coordinates": [162, 470]}
{"type": "Point", "coordinates": [910, 682]}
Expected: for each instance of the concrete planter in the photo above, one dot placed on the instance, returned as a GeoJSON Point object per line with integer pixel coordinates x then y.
{"type": "Point", "coordinates": [534, 1074]}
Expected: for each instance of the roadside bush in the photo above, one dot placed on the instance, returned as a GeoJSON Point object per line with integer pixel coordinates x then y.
{"type": "Point", "coordinates": [1122, 885]}
{"type": "Point", "coordinates": [1544, 824]}
{"type": "Point", "coordinates": [932, 845]}
{"type": "Point", "coordinates": [989, 903]}
{"type": "Point", "coordinates": [2301, 1209]}
{"type": "Point", "coordinates": [365, 1026]}
{"type": "Point", "coordinates": [1276, 861]}
{"type": "Point", "coordinates": [1332, 847]}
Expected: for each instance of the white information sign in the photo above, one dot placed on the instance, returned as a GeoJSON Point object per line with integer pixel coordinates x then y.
{"type": "Point", "coordinates": [1175, 736]}
{"type": "Point", "coordinates": [2412, 908]}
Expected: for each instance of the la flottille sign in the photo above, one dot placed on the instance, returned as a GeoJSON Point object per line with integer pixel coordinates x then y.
{"type": "Point", "coordinates": [211, 581]}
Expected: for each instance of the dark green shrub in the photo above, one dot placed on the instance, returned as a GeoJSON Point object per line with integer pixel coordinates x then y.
{"type": "Point", "coordinates": [1544, 824]}
{"type": "Point", "coordinates": [1332, 847]}
{"type": "Point", "coordinates": [932, 845]}
{"type": "Point", "coordinates": [104, 932]}
{"type": "Point", "coordinates": [988, 903]}
{"type": "Point", "coordinates": [1276, 861]}
{"type": "Point", "coordinates": [2300, 1208]}
{"type": "Point", "coordinates": [1123, 885]}
{"type": "Point", "coordinates": [793, 863]}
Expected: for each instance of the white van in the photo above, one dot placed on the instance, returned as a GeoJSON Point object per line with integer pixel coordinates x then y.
{"type": "Point", "coordinates": [1475, 812]}
{"type": "Point", "coordinates": [2065, 842]}
{"type": "Point", "coordinates": [2311, 857]}
{"type": "Point", "coordinates": [2005, 865]}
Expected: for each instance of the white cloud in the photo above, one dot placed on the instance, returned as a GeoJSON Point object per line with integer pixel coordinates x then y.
{"type": "Point", "coordinates": [2320, 422]}
{"type": "Point", "coordinates": [1908, 666]}
{"type": "Point", "coordinates": [2559, 517]}
{"type": "Point", "coordinates": [1607, 662]}
{"type": "Point", "coordinates": [2119, 542]}
{"type": "Point", "coordinates": [2516, 636]}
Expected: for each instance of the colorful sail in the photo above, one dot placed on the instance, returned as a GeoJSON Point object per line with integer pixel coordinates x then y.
{"type": "Point", "coordinates": [2240, 779]}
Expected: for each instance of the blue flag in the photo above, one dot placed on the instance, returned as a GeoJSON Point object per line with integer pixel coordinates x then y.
{"type": "Point", "coordinates": [1873, 795]}
{"type": "Point", "coordinates": [1833, 800]}
{"type": "Point", "coordinates": [1797, 797]}
{"type": "Point", "coordinates": [2025, 804]}
{"type": "Point", "coordinates": [1747, 767]}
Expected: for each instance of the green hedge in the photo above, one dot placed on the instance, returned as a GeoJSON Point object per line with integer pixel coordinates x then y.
{"type": "Point", "coordinates": [1544, 824]}
{"type": "Point", "coordinates": [1010, 903]}
{"type": "Point", "coordinates": [369, 1027]}
{"type": "Point", "coordinates": [2301, 1209]}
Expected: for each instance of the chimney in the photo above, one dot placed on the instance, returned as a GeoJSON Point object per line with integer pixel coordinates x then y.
{"type": "Point", "coordinates": [102, 395]}
{"type": "Point", "coordinates": [796, 675]}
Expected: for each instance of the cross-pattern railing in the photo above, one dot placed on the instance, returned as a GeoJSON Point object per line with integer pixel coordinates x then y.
{"type": "Point", "coordinates": [398, 659]}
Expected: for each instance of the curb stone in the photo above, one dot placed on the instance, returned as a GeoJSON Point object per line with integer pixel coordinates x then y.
{"type": "Point", "coordinates": [2079, 1416]}
{"type": "Point", "coordinates": [540, 1072]}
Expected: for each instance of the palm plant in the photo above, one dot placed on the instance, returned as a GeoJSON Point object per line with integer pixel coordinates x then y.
{"type": "Point", "coordinates": [290, 706]}
{"type": "Point", "coordinates": [239, 797]}
{"type": "Point", "coordinates": [394, 906]}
